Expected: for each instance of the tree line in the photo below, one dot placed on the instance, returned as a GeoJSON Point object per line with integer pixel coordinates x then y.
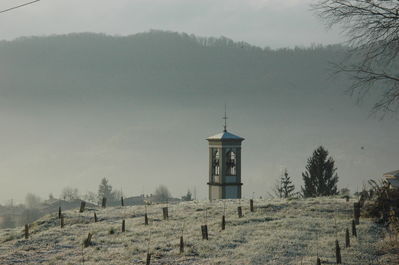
{"type": "Point", "coordinates": [35, 207]}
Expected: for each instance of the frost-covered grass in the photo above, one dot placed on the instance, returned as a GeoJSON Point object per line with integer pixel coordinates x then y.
{"type": "Point", "coordinates": [279, 232]}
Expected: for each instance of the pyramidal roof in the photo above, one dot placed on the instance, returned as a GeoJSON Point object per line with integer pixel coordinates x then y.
{"type": "Point", "coordinates": [225, 135]}
{"type": "Point", "coordinates": [393, 178]}
{"type": "Point", "coordinates": [393, 174]}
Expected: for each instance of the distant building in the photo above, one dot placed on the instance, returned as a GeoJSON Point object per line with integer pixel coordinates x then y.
{"type": "Point", "coordinates": [224, 165]}
{"type": "Point", "coordinates": [392, 178]}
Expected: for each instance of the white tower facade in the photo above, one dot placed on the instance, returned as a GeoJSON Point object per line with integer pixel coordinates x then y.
{"type": "Point", "coordinates": [225, 166]}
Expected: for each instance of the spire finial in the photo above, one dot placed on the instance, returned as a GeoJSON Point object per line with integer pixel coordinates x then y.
{"type": "Point", "coordinates": [225, 119]}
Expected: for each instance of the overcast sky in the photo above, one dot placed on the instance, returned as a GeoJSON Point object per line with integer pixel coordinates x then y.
{"type": "Point", "coordinates": [273, 23]}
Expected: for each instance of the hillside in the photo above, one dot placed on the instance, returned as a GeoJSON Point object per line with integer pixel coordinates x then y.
{"type": "Point", "coordinates": [278, 232]}
{"type": "Point", "coordinates": [81, 66]}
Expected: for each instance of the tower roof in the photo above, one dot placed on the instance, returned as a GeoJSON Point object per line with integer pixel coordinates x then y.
{"type": "Point", "coordinates": [225, 135]}
{"type": "Point", "coordinates": [392, 178]}
{"type": "Point", "coordinates": [393, 174]}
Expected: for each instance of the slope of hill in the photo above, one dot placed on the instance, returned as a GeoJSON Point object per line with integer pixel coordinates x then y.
{"type": "Point", "coordinates": [278, 232]}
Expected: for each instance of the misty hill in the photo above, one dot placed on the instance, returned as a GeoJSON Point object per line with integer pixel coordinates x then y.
{"type": "Point", "coordinates": [278, 232]}
{"type": "Point", "coordinates": [136, 109]}
{"type": "Point", "coordinates": [168, 64]}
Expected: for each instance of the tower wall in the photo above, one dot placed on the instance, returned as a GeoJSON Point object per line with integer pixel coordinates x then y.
{"type": "Point", "coordinates": [227, 184]}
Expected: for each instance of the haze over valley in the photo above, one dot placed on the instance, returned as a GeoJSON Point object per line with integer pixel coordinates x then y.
{"type": "Point", "coordinates": [136, 109]}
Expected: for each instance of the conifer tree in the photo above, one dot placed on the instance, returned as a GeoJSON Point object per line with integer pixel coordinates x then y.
{"type": "Point", "coordinates": [320, 177]}
{"type": "Point", "coordinates": [286, 188]}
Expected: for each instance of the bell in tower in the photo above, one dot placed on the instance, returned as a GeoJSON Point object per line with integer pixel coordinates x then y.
{"type": "Point", "coordinates": [225, 165]}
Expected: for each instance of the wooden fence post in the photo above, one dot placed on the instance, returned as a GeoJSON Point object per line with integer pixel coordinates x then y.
{"type": "Point", "coordinates": [148, 261]}
{"type": "Point", "coordinates": [204, 230]}
{"type": "Point", "coordinates": [223, 222]}
{"type": "Point", "coordinates": [82, 206]}
{"type": "Point", "coordinates": [145, 215]}
{"type": "Point", "coordinates": [122, 203]}
{"type": "Point", "coordinates": [338, 252]}
{"type": "Point", "coordinates": [95, 217]}
{"type": "Point", "coordinates": [26, 231]}
{"type": "Point", "coordinates": [87, 241]}
{"type": "Point", "coordinates": [165, 213]}
{"type": "Point", "coordinates": [354, 232]}
{"type": "Point", "coordinates": [347, 239]}
{"type": "Point", "coordinates": [181, 245]}
{"type": "Point", "coordinates": [239, 210]}
{"type": "Point", "coordinates": [104, 202]}
{"type": "Point", "coordinates": [59, 212]}
{"type": "Point", "coordinates": [251, 205]}
{"type": "Point", "coordinates": [62, 221]}
{"type": "Point", "coordinates": [356, 212]}
{"type": "Point", "coordinates": [123, 225]}
{"type": "Point", "coordinates": [318, 261]}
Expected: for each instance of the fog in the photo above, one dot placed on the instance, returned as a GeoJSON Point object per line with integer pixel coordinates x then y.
{"type": "Point", "coordinates": [137, 110]}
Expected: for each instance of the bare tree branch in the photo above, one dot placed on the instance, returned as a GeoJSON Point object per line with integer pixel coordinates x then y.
{"type": "Point", "coordinates": [372, 30]}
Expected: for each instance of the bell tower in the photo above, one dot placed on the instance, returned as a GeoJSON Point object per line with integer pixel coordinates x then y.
{"type": "Point", "coordinates": [224, 165]}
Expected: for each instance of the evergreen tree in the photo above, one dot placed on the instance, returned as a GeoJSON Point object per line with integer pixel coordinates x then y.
{"type": "Point", "coordinates": [286, 188]}
{"type": "Point", "coordinates": [320, 177]}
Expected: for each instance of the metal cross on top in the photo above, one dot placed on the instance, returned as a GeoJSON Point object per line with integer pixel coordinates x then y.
{"type": "Point", "coordinates": [225, 119]}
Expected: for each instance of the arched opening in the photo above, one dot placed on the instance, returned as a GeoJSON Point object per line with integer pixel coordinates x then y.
{"type": "Point", "coordinates": [231, 163]}
{"type": "Point", "coordinates": [215, 163]}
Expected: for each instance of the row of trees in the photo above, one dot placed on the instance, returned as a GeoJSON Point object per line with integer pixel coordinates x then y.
{"type": "Point", "coordinates": [320, 178]}
{"type": "Point", "coordinates": [35, 207]}
{"type": "Point", "coordinates": [105, 190]}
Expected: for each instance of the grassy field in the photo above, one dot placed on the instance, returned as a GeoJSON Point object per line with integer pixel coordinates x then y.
{"type": "Point", "coordinates": [278, 232]}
